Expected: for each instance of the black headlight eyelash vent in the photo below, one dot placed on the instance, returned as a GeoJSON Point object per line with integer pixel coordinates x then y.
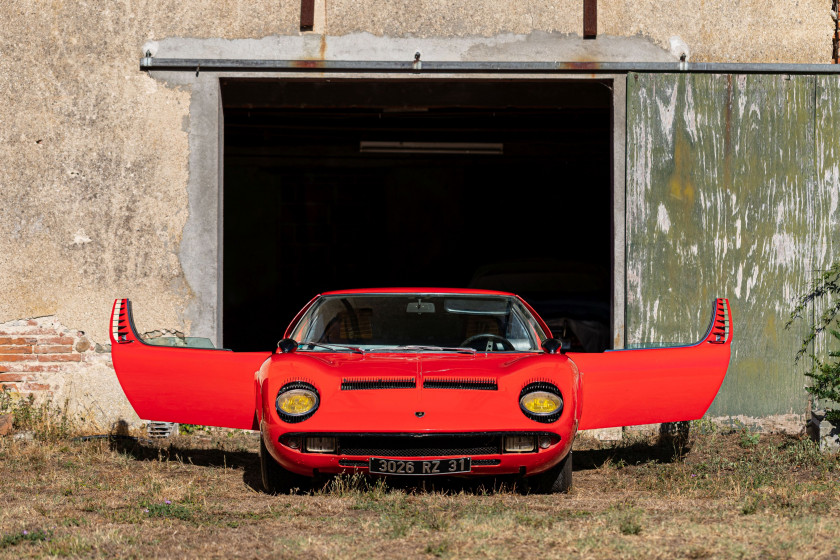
{"type": "Point", "coordinates": [541, 381]}
{"type": "Point", "coordinates": [294, 419]}
{"type": "Point", "coordinates": [299, 380]}
{"type": "Point", "coordinates": [547, 387]}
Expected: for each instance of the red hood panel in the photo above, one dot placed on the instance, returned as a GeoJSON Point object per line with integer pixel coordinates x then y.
{"type": "Point", "coordinates": [420, 409]}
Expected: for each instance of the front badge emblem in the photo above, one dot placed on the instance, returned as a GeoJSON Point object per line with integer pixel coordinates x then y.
{"type": "Point", "coordinates": [419, 414]}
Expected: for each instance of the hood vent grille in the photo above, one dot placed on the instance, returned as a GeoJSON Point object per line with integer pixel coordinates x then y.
{"type": "Point", "coordinates": [368, 383]}
{"type": "Point", "coordinates": [487, 384]}
{"type": "Point", "coordinates": [372, 383]}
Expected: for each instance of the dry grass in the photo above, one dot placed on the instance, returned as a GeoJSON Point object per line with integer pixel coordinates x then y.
{"type": "Point", "coordinates": [720, 495]}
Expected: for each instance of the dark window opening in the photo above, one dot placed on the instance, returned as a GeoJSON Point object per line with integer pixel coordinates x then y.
{"type": "Point", "coordinates": [362, 184]}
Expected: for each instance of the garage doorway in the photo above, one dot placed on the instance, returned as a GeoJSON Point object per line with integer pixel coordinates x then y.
{"type": "Point", "coordinates": [333, 184]}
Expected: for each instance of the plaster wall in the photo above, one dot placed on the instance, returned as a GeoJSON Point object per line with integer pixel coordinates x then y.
{"type": "Point", "coordinates": [714, 30]}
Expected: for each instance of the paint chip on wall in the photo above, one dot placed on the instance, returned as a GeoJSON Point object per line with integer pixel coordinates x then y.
{"type": "Point", "coordinates": [80, 238]}
{"type": "Point", "coordinates": [662, 219]}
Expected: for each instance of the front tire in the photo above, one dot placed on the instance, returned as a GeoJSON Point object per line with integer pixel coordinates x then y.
{"type": "Point", "coordinates": [276, 479]}
{"type": "Point", "coordinates": [556, 480]}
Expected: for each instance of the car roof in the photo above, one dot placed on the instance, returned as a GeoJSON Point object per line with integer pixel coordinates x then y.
{"type": "Point", "coordinates": [459, 291]}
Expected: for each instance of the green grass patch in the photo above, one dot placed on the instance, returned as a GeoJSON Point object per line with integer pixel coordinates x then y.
{"type": "Point", "coordinates": [167, 509]}
{"type": "Point", "coordinates": [24, 536]}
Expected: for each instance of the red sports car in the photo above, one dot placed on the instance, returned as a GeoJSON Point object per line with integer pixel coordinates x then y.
{"type": "Point", "coordinates": [419, 382]}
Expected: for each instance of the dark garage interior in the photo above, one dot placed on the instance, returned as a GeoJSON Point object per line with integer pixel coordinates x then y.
{"type": "Point", "coordinates": [333, 184]}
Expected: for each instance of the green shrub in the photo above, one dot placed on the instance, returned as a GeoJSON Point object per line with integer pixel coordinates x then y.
{"type": "Point", "coordinates": [824, 373]}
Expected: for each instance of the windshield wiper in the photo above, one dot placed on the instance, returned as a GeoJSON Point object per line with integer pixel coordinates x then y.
{"type": "Point", "coordinates": [353, 349]}
{"type": "Point", "coordinates": [438, 349]}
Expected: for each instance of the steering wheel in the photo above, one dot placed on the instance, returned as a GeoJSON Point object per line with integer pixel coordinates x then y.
{"type": "Point", "coordinates": [490, 345]}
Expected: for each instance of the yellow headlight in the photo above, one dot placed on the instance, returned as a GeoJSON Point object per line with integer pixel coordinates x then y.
{"type": "Point", "coordinates": [297, 401]}
{"type": "Point", "coordinates": [541, 402]}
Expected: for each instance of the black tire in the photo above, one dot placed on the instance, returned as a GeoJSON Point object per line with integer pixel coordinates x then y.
{"type": "Point", "coordinates": [276, 479]}
{"type": "Point", "coordinates": [556, 480]}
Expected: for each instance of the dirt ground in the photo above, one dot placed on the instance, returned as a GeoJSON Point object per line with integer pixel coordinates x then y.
{"type": "Point", "coordinates": [713, 495]}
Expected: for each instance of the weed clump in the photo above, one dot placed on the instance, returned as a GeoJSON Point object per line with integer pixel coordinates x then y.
{"type": "Point", "coordinates": [23, 536]}
{"type": "Point", "coordinates": [749, 439]}
{"type": "Point", "coordinates": [167, 509]}
{"type": "Point", "coordinates": [438, 549]}
{"type": "Point", "coordinates": [44, 420]}
{"type": "Point", "coordinates": [629, 524]}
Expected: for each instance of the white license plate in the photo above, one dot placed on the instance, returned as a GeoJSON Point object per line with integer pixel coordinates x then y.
{"type": "Point", "coordinates": [420, 468]}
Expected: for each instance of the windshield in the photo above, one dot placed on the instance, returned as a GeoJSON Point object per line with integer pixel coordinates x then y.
{"type": "Point", "coordinates": [418, 323]}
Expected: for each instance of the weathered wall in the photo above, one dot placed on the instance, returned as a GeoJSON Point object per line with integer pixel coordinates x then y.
{"type": "Point", "coordinates": [714, 30]}
{"type": "Point", "coordinates": [92, 186]}
{"type": "Point", "coordinates": [732, 190]}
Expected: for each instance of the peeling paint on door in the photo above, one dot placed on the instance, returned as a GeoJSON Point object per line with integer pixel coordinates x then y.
{"type": "Point", "coordinates": [827, 226]}
{"type": "Point", "coordinates": [745, 170]}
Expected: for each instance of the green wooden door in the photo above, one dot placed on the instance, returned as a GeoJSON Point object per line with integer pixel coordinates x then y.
{"type": "Point", "coordinates": [732, 188]}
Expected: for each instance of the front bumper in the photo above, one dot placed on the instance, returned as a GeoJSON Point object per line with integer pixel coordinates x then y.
{"type": "Point", "coordinates": [354, 451]}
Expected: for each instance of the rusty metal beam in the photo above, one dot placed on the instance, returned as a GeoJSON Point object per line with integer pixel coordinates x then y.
{"type": "Point", "coordinates": [590, 19]}
{"type": "Point", "coordinates": [307, 15]}
{"type": "Point", "coordinates": [433, 67]}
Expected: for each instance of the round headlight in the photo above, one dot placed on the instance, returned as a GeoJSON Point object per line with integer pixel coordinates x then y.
{"type": "Point", "coordinates": [541, 402]}
{"type": "Point", "coordinates": [296, 402]}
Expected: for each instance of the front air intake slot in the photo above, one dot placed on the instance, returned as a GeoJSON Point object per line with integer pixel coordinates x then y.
{"type": "Point", "coordinates": [363, 384]}
{"type": "Point", "coordinates": [461, 383]}
{"type": "Point", "coordinates": [426, 446]}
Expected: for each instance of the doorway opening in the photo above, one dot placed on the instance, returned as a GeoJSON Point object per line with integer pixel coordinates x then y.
{"type": "Point", "coordinates": [352, 183]}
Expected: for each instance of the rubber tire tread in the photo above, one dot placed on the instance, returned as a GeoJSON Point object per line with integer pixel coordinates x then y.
{"type": "Point", "coordinates": [556, 480]}
{"type": "Point", "coordinates": [276, 479]}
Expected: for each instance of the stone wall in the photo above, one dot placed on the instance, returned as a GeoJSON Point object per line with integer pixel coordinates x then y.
{"type": "Point", "coordinates": [41, 357]}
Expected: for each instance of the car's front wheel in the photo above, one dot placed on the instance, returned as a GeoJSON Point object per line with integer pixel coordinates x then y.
{"type": "Point", "coordinates": [555, 480]}
{"type": "Point", "coordinates": [276, 479]}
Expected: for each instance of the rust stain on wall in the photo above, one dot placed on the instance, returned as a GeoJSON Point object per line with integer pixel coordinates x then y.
{"type": "Point", "coordinates": [680, 184]}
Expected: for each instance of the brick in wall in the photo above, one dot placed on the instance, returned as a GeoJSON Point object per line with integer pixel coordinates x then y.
{"type": "Point", "coordinates": [30, 348]}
